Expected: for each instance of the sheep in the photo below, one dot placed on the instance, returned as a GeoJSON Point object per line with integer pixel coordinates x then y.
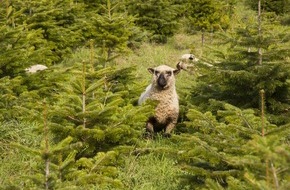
{"type": "Point", "coordinates": [35, 68]}
{"type": "Point", "coordinates": [162, 89]}
{"type": "Point", "coordinates": [188, 57]}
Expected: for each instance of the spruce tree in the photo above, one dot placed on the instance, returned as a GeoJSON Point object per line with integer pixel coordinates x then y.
{"type": "Point", "coordinates": [159, 18]}
{"type": "Point", "coordinates": [95, 108]}
{"type": "Point", "coordinates": [254, 58]}
{"type": "Point", "coordinates": [228, 150]}
{"type": "Point", "coordinates": [209, 15]}
{"type": "Point", "coordinates": [110, 30]}
{"type": "Point", "coordinates": [61, 23]}
{"type": "Point", "coordinates": [50, 162]}
{"type": "Point", "coordinates": [19, 45]}
{"type": "Point", "coordinates": [279, 7]}
{"type": "Point", "coordinates": [92, 122]}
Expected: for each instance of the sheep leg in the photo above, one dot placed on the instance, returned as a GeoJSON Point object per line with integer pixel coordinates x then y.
{"type": "Point", "coordinates": [150, 127]}
{"type": "Point", "coordinates": [168, 129]}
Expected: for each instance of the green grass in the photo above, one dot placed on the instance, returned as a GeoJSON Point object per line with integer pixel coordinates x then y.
{"type": "Point", "coordinates": [153, 169]}
{"type": "Point", "coordinates": [16, 163]}
{"type": "Point", "coordinates": [150, 172]}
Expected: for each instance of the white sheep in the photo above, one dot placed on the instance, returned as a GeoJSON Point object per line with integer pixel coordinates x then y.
{"type": "Point", "coordinates": [162, 89]}
{"type": "Point", "coordinates": [35, 68]}
{"type": "Point", "coordinates": [188, 57]}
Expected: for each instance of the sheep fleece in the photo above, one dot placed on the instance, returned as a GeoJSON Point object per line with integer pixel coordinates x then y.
{"type": "Point", "coordinates": [167, 109]}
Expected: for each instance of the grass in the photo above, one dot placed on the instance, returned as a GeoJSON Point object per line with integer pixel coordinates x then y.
{"type": "Point", "coordinates": [15, 163]}
{"type": "Point", "coordinates": [151, 171]}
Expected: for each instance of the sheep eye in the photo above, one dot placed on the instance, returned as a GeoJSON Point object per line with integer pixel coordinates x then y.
{"type": "Point", "coordinates": [169, 73]}
{"type": "Point", "coordinates": [157, 73]}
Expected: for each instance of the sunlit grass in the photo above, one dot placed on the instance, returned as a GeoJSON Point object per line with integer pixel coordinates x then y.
{"type": "Point", "coordinates": [16, 163]}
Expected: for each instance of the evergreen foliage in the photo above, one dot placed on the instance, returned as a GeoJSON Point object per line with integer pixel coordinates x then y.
{"type": "Point", "coordinates": [19, 45]}
{"type": "Point", "coordinates": [230, 149]}
{"type": "Point", "coordinates": [208, 15]}
{"type": "Point", "coordinates": [52, 163]}
{"type": "Point", "coordinates": [111, 31]}
{"type": "Point", "coordinates": [93, 110]}
{"type": "Point", "coordinates": [77, 125]}
{"type": "Point", "coordinates": [280, 7]}
{"type": "Point", "coordinates": [59, 22]}
{"type": "Point", "coordinates": [159, 18]}
{"type": "Point", "coordinates": [238, 74]}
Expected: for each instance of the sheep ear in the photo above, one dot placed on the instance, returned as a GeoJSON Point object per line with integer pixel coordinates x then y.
{"type": "Point", "coordinates": [178, 66]}
{"type": "Point", "coordinates": [176, 71]}
{"type": "Point", "coordinates": [151, 70]}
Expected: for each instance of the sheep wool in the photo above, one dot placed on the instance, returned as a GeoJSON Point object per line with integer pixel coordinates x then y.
{"type": "Point", "coordinates": [35, 68]}
{"type": "Point", "coordinates": [162, 89]}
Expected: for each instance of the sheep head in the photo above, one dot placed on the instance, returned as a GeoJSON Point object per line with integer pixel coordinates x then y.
{"type": "Point", "coordinates": [189, 57]}
{"type": "Point", "coordinates": [163, 76]}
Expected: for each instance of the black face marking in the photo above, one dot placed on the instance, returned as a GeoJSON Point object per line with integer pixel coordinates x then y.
{"type": "Point", "coordinates": [168, 73]}
{"type": "Point", "coordinates": [157, 73]}
{"type": "Point", "coordinates": [161, 81]}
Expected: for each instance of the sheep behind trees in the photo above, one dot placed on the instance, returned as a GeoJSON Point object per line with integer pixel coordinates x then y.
{"type": "Point", "coordinates": [188, 57]}
{"type": "Point", "coordinates": [35, 68]}
{"type": "Point", "coordinates": [162, 89]}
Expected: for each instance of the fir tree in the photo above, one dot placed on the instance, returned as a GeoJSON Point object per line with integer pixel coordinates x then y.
{"type": "Point", "coordinates": [252, 61]}
{"type": "Point", "coordinates": [19, 45]}
{"type": "Point", "coordinates": [280, 7]}
{"type": "Point", "coordinates": [111, 31]}
{"type": "Point", "coordinates": [229, 148]}
{"type": "Point", "coordinates": [51, 163]}
{"type": "Point", "coordinates": [60, 22]}
{"type": "Point", "coordinates": [209, 15]}
{"type": "Point", "coordinates": [159, 18]}
{"type": "Point", "coordinates": [95, 108]}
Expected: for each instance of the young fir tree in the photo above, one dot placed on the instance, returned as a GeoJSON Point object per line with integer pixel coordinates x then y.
{"type": "Point", "coordinates": [50, 163]}
{"type": "Point", "coordinates": [279, 7]}
{"type": "Point", "coordinates": [234, 149]}
{"type": "Point", "coordinates": [208, 15]}
{"type": "Point", "coordinates": [95, 108]}
{"type": "Point", "coordinates": [111, 30]}
{"type": "Point", "coordinates": [61, 23]}
{"type": "Point", "coordinates": [19, 45]}
{"type": "Point", "coordinates": [254, 58]}
{"type": "Point", "coordinates": [9, 89]}
{"type": "Point", "coordinates": [159, 18]}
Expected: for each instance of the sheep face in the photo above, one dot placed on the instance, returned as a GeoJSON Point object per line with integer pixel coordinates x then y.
{"type": "Point", "coordinates": [163, 76]}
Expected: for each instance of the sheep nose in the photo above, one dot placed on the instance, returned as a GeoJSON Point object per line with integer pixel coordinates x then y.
{"type": "Point", "coordinates": [162, 81]}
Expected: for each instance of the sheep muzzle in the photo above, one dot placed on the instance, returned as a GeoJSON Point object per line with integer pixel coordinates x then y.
{"type": "Point", "coordinates": [161, 81]}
